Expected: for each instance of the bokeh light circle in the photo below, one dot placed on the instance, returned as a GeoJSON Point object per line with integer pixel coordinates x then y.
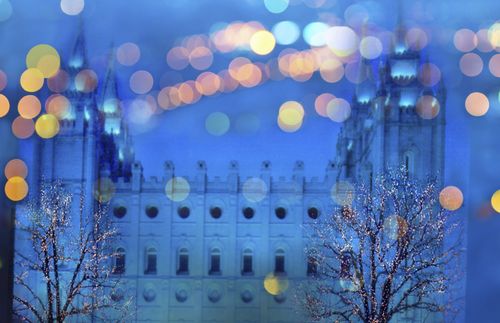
{"type": "Point", "coordinates": [29, 107]}
{"type": "Point", "coordinates": [217, 123]}
{"type": "Point", "coordinates": [23, 128]}
{"type": "Point", "coordinates": [44, 58]}
{"type": "Point", "coordinates": [5, 10]}
{"type": "Point", "coordinates": [429, 74]}
{"type": "Point", "coordinates": [274, 284]}
{"type": "Point", "coordinates": [4, 105]}
{"type": "Point", "coordinates": [314, 33]}
{"type": "Point", "coordinates": [141, 82]}
{"type": "Point", "coordinates": [495, 201]}
{"type": "Point", "coordinates": [58, 105]}
{"type": "Point", "coordinates": [72, 7]}
{"type": "Point", "coordinates": [342, 40]}
{"type": "Point", "coordinates": [104, 189]}
{"type": "Point", "coordinates": [477, 104]}
{"type": "Point", "coordinates": [201, 58]}
{"type": "Point", "coordinates": [254, 190]}
{"type": "Point", "coordinates": [465, 40]}
{"type": "Point", "coordinates": [31, 80]}
{"type": "Point", "coordinates": [331, 70]}
{"type": "Point", "coordinates": [262, 42]}
{"type": "Point", "coordinates": [86, 81]}
{"type": "Point", "coordinates": [47, 126]}
{"type": "Point", "coordinates": [338, 110]}
{"type": "Point", "coordinates": [128, 54]}
{"type": "Point", "coordinates": [286, 32]}
{"type": "Point", "coordinates": [471, 64]}
{"type": "Point", "coordinates": [276, 6]}
{"type": "Point", "coordinates": [416, 39]}
{"type": "Point", "coordinates": [451, 198]}
{"type": "Point", "coordinates": [290, 116]}
{"type": "Point", "coordinates": [59, 82]}
{"type": "Point", "coordinates": [16, 167]}
{"type": "Point", "coordinates": [177, 189]}
{"type": "Point", "coordinates": [427, 107]}
{"type": "Point", "coordinates": [321, 103]}
{"type": "Point", "coordinates": [370, 47]}
{"type": "Point", "coordinates": [3, 80]}
{"type": "Point", "coordinates": [494, 65]}
{"type": "Point", "coordinates": [16, 188]}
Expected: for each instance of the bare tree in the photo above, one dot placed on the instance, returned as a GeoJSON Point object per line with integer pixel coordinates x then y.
{"type": "Point", "coordinates": [63, 270]}
{"type": "Point", "coordinates": [387, 253]}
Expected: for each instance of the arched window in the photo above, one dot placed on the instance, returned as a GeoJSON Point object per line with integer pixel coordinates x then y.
{"type": "Point", "coordinates": [183, 262]}
{"type": "Point", "coordinates": [247, 263]}
{"type": "Point", "coordinates": [151, 259]}
{"type": "Point", "coordinates": [409, 161]}
{"type": "Point", "coordinates": [119, 261]}
{"type": "Point", "coordinates": [312, 265]}
{"type": "Point", "coordinates": [279, 262]}
{"type": "Point", "coordinates": [214, 262]}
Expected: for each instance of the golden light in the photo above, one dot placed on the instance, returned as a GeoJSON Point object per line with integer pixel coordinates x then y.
{"type": "Point", "coordinates": [290, 116]}
{"type": "Point", "coordinates": [47, 126]}
{"type": "Point", "coordinates": [58, 105]}
{"type": "Point", "coordinates": [59, 82]}
{"type": "Point", "coordinates": [494, 65]}
{"type": "Point", "coordinates": [494, 35]}
{"type": "Point", "coordinates": [262, 42]}
{"type": "Point", "coordinates": [465, 40]}
{"type": "Point", "coordinates": [31, 80]}
{"type": "Point", "coordinates": [208, 83]}
{"type": "Point", "coordinates": [495, 201]}
{"type": "Point", "coordinates": [177, 189]}
{"type": "Point", "coordinates": [342, 193]}
{"type": "Point", "coordinates": [44, 58]}
{"type": "Point", "coordinates": [186, 93]}
{"type": "Point", "coordinates": [86, 81]}
{"type": "Point", "coordinates": [128, 54]}
{"type": "Point", "coordinates": [104, 190]}
{"type": "Point", "coordinates": [29, 107]}
{"type": "Point", "coordinates": [428, 107]}
{"type": "Point", "coordinates": [321, 103]}
{"type": "Point", "coordinates": [471, 64]}
{"type": "Point", "coordinates": [274, 284]}
{"type": "Point", "coordinates": [23, 128]}
{"type": "Point", "coordinates": [477, 104]}
{"type": "Point", "coordinates": [141, 82]}
{"type": "Point", "coordinates": [254, 190]}
{"type": "Point", "coordinates": [16, 188]}
{"type": "Point", "coordinates": [451, 198]}
{"type": "Point", "coordinates": [4, 105]}
{"type": "Point", "coordinates": [16, 167]}
{"type": "Point", "coordinates": [201, 58]}
{"type": "Point", "coordinates": [338, 110]}
{"type": "Point", "coordinates": [429, 74]}
{"type": "Point", "coordinates": [331, 70]}
{"type": "Point", "coordinates": [178, 58]}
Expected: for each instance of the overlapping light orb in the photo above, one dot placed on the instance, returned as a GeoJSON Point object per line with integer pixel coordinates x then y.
{"type": "Point", "coordinates": [451, 198]}
{"type": "Point", "coordinates": [290, 116]}
{"type": "Point", "coordinates": [16, 188]}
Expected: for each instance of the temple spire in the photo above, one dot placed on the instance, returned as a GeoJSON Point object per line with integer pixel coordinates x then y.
{"type": "Point", "coordinates": [110, 88]}
{"type": "Point", "coordinates": [78, 57]}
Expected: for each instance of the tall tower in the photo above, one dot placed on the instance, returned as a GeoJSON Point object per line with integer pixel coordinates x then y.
{"type": "Point", "coordinates": [397, 118]}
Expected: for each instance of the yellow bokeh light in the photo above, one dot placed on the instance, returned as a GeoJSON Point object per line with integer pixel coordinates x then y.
{"type": "Point", "coordinates": [47, 126]}
{"type": "Point", "coordinates": [16, 167]}
{"type": "Point", "coordinates": [44, 58]}
{"type": "Point", "coordinates": [4, 105]}
{"type": "Point", "coordinates": [274, 284]}
{"type": "Point", "coordinates": [451, 198]}
{"type": "Point", "coordinates": [262, 42]}
{"type": "Point", "coordinates": [477, 104]}
{"type": "Point", "coordinates": [31, 80]}
{"type": "Point", "coordinates": [495, 201]}
{"type": "Point", "coordinates": [16, 188]}
{"type": "Point", "coordinates": [177, 189]}
{"type": "Point", "coordinates": [29, 107]}
{"type": "Point", "coordinates": [494, 35]}
{"type": "Point", "coordinates": [331, 70]}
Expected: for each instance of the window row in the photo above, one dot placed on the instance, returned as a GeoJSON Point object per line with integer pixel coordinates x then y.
{"type": "Point", "coordinates": [215, 212]}
{"type": "Point", "coordinates": [214, 268]}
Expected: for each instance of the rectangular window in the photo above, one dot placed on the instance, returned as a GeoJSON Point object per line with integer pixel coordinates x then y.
{"type": "Point", "coordinates": [247, 265]}
{"type": "Point", "coordinates": [119, 264]}
{"type": "Point", "coordinates": [151, 264]}
{"type": "Point", "coordinates": [312, 266]}
{"type": "Point", "coordinates": [214, 265]}
{"type": "Point", "coordinates": [279, 264]}
{"type": "Point", "coordinates": [183, 268]}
